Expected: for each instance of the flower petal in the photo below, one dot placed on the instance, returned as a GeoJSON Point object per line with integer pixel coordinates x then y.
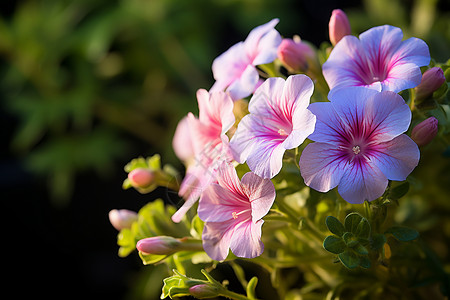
{"type": "Point", "coordinates": [182, 141]}
{"type": "Point", "coordinates": [329, 127]}
{"type": "Point", "coordinates": [266, 159]}
{"type": "Point", "coordinates": [303, 126]}
{"type": "Point", "coordinates": [261, 194]}
{"type": "Point", "coordinates": [217, 204]}
{"type": "Point", "coordinates": [229, 65]}
{"type": "Point", "coordinates": [386, 116]}
{"type": "Point", "coordinates": [245, 84]}
{"type": "Point", "coordinates": [322, 166]}
{"type": "Point", "coordinates": [216, 239]}
{"type": "Point", "coordinates": [297, 91]}
{"type": "Point", "coordinates": [380, 43]}
{"type": "Point", "coordinates": [241, 143]}
{"type": "Point", "coordinates": [396, 158]}
{"type": "Point", "coordinates": [402, 76]}
{"type": "Point", "coordinates": [254, 44]}
{"type": "Point", "coordinates": [246, 240]}
{"type": "Point", "coordinates": [362, 181]}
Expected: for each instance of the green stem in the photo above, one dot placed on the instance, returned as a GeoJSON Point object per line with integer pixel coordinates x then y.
{"type": "Point", "coordinates": [232, 295]}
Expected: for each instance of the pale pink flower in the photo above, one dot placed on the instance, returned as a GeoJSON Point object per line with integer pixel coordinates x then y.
{"type": "Point", "coordinates": [122, 218]}
{"type": "Point", "coordinates": [232, 210]}
{"type": "Point", "coordinates": [295, 54]}
{"type": "Point", "coordinates": [278, 120]}
{"type": "Point", "coordinates": [209, 145]}
{"type": "Point", "coordinates": [235, 71]}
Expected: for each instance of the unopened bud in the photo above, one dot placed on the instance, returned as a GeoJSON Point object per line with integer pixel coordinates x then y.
{"type": "Point", "coordinates": [295, 54]}
{"type": "Point", "coordinates": [122, 218]}
{"type": "Point", "coordinates": [339, 26]}
{"type": "Point", "coordinates": [203, 291]}
{"type": "Point", "coordinates": [141, 177]}
{"type": "Point", "coordinates": [159, 245]}
{"type": "Point", "coordinates": [424, 132]}
{"type": "Point", "coordinates": [432, 79]}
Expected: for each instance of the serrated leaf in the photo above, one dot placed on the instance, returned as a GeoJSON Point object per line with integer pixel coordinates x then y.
{"type": "Point", "coordinates": [403, 234]}
{"type": "Point", "coordinates": [335, 226]}
{"type": "Point", "coordinates": [352, 221]}
{"type": "Point", "coordinates": [349, 259]}
{"type": "Point", "coordinates": [334, 244]}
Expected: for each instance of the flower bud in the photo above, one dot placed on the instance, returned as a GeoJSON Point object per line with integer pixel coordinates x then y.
{"type": "Point", "coordinates": [295, 54]}
{"type": "Point", "coordinates": [203, 291]}
{"type": "Point", "coordinates": [424, 132]}
{"type": "Point", "coordinates": [141, 177]}
{"type": "Point", "coordinates": [432, 79]}
{"type": "Point", "coordinates": [339, 26]}
{"type": "Point", "coordinates": [122, 218]}
{"type": "Point", "coordinates": [159, 245]}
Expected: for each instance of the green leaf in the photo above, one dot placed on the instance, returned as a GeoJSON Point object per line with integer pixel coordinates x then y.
{"type": "Point", "coordinates": [334, 244]}
{"type": "Point", "coordinates": [378, 241]}
{"type": "Point", "coordinates": [364, 262]}
{"type": "Point", "coordinates": [352, 221]}
{"type": "Point", "coordinates": [335, 226]}
{"type": "Point", "coordinates": [360, 249]}
{"type": "Point", "coordinates": [403, 234]}
{"type": "Point", "coordinates": [350, 239]}
{"type": "Point", "coordinates": [363, 229]}
{"type": "Point", "coordinates": [399, 191]}
{"type": "Point", "coordinates": [349, 259]}
{"type": "Point", "coordinates": [149, 259]}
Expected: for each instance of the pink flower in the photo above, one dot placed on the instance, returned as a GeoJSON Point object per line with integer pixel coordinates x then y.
{"type": "Point", "coordinates": [378, 60]}
{"type": "Point", "coordinates": [295, 54]}
{"type": "Point", "coordinates": [424, 132]}
{"type": "Point", "coordinates": [209, 145]}
{"type": "Point", "coordinates": [278, 120]}
{"type": "Point", "coordinates": [359, 144]}
{"type": "Point", "coordinates": [232, 210]}
{"type": "Point", "coordinates": [339, 26]}
{"type": "Point", "coordinates": [235, 71]}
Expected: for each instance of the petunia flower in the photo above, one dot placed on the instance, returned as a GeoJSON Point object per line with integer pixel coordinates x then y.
{"type": "Point", "coordinates": [235, 71]}
{"type": "Point", "coordinates": [232, 210]}
{"type": "Point", "coordinates": [278, 120]}
{"type": "Point", "coordinates": [359, 144]}
{"type": "Point", "coordinates": [208, 145]}
{"type": "Point", "coordinates": [378, 60]}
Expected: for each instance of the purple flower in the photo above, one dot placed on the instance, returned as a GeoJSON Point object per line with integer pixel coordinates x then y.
{"type": "Point", "coordinates": [359, 144]}
{"type": "Point", "coordinates": [379, 60]}
{"type": "Point", "coordinates": [235, 71]}
{"type": "Point", "coordinates": [278, 120]}
{"type": "Point", "coordinates": [208, 145]}
{"type": "Point", "coordinates": [232, 210]}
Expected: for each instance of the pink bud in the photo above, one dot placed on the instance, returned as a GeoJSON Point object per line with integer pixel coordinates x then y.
{"type": "Point", "coordinates": [424, 132]}
{"type": "Point", "coordinates": [339, 26]}
{"type": "Point", "coordinates": [294, 54]}
{"type": "Point", "coordinates": [203, 291]}
{"type": "Point", "coordinates": [159, 245]}
{"type": "Point", "coordinates": [141, 178]}
{"type": "Point", "coordinates": [432, 79]}
{"type": "Point", "coordinates": [122, 218]}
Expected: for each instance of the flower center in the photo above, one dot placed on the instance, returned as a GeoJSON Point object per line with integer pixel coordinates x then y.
{"type": "Point", "coordinates": [356, 149]}
{"type": "Point", "coordinates": [282, 132]}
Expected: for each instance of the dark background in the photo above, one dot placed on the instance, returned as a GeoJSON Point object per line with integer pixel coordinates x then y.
{"type": "Point", "coordinates": [59, 179]}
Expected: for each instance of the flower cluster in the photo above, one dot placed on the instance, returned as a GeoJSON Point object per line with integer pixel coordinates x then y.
{"type": "Point", "coordinates": [276, 112]}
{"type": "Point", "coordinates": [359, 134]}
